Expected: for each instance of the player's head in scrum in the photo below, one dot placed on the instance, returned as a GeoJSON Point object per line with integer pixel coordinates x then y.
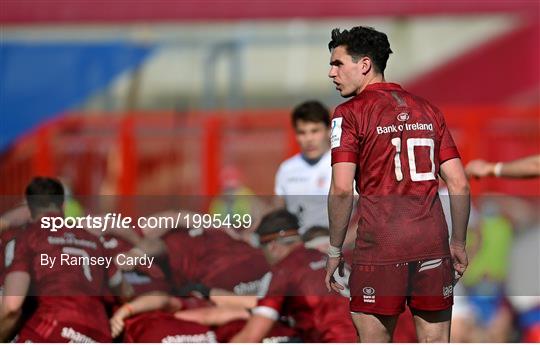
{"type": "Point", "coordinates": [44, 195]}
{"type": "Point", "coordinates": [311, 123]}
{"type": "Point", "coordinates": [358, 57]}
{"type": "Point", "coordinates": [278, 235]}
{"type": "Point", "coordinates": [317, 237]}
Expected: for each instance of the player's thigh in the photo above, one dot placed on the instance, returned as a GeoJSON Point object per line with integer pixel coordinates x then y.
{"type": "Point", "coordinates": [432, 326]}
{"type": "Point", "coordinates": [431, 299]}
{"type": "Point", "coordinates": [378, 289]}
{"type": "Point", "coordinates": [374, 328]}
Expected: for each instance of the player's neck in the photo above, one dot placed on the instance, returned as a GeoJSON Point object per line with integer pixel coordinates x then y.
{"type": "Point", "coordinates": [376, 78]}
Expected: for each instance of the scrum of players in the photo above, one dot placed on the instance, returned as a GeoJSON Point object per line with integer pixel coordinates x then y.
{"type": "Point", "coordinates": [203, 288]}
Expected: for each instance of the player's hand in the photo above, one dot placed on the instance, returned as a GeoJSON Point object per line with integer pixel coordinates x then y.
{"type": "Point", "coordinates": [332, 264]}
{"type": "Point", "coordinates": [479, 168]}
{"type": "Point", "coordinates": [459, 258]}
{"type": "Point", "coordinates": [117, 321]}
{"type": "Point", "coordinates": [117, 326]}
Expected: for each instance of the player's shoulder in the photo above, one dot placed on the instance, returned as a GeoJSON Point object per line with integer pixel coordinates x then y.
{"type": "Point", "coordinates": [301, 257]}
{"type": "Point", "coordinates": [357, 104]}
{"type": "Point", "coordinates": [10, 233]}
{"type": "Point", "coordinates": [348, 106]}
{"type": "Point", "coordinates": [424, 103]}
{"type": "Point", "coordinates": [30, 231]}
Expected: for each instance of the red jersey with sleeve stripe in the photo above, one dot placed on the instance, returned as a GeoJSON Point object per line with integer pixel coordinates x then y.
{"type": "Point", "coordinates": [215, 259]}
{"type": "Point", "coordinates": [297, 290]}
{"type": "Point", "coordinates": [398, 142]}
{"type": "Point", "coordinates": [66, 293]}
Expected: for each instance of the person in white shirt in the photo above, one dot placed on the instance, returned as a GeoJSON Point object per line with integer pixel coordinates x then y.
{"type": "Point", "coordinates": [302, 181]}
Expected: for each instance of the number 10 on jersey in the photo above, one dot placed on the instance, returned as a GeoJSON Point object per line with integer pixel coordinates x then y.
{"type": "Point", "coordinates": [411, 144]}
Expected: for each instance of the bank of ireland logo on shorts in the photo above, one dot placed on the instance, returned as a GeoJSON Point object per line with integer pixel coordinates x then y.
{"type": "Point", "coordinates": [335, 138]}
{"type": "Point", "coordinates": [369, 294]}
{"type": "Point", "coordinates": [403, 117]}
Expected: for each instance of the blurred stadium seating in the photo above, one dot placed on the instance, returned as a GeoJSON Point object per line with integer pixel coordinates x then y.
{"type": "Point", "coordinates": [165, 153]}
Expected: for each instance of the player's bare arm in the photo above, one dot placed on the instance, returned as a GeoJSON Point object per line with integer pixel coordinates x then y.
{"type": "Point", "coordinates": [213, 316]}
{"type": "Point", "coordinates": [16, 285]}
{"type": "Point", "coordinates": [225, 298]}
{"type": "Point", "coordinates": [527, 167]}
{"type": "Point", "coordinates": [340, 202]}
{"type": "Point", "coordinates": [453, 174]}
{"type": "Point", "coordinates": [254, 331]}
{"type": "Point", "coordinates": [151, 301]}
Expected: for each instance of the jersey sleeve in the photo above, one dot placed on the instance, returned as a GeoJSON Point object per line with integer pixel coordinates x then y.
{"type": "Point", "coordinates": [447, 149]}
{"type": "Point", "coordinates": [270, 305]}
{"type": "Point", "coordinates": [345, 137]}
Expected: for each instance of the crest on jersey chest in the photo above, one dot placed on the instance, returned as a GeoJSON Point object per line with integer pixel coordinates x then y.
{"type": "Point", "coordinates": [403, 117]}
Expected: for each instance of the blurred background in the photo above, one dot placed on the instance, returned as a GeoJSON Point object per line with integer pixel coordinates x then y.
{"type": "Point", "coordinates": [178, 90]}
{"type": "Point", "coordinates": [172, 97]}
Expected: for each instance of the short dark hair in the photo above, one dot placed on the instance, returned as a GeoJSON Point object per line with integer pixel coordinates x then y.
{"type": "Point", "coordinates": [311, 111]}
{"type": "Point", "coordinates": [362, 41]}
{"type": "Point", "coordinates": [314, 232]}
{"type": "Point", "coordinates": [276, 221]}
{"type": "Point", "coordinates": [42, 192]}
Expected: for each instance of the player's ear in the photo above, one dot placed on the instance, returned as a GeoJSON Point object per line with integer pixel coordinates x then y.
{"type": "Point", "coordinates": [365, 65]}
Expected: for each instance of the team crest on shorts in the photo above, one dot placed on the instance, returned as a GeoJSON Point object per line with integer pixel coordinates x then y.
{"type": "Point", "coordinates": [369, 294]}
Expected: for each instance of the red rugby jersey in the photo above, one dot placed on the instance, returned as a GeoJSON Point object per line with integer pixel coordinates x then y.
{"type": "Point", "coordinates": [213, 258]}
{"type": "Point", "coordinates": [65, 293]}
{"type": "Point", "coordinates": [297, 290]}
{"type": "Point", "coordinates": [398, 142]}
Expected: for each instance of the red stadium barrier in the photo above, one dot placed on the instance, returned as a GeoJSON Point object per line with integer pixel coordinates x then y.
{"type": "Point", "coordinates": [165, 153]}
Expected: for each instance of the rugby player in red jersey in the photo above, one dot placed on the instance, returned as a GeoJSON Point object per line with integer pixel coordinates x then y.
{"type": "Point", "coordinates": [210, 259]}
{"type": "Point", "coordinates": [296, 288]}
{"type": "Point", "coordinates": [70, 306]}
{"type": "Point", "coordinates": [395, 145]}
